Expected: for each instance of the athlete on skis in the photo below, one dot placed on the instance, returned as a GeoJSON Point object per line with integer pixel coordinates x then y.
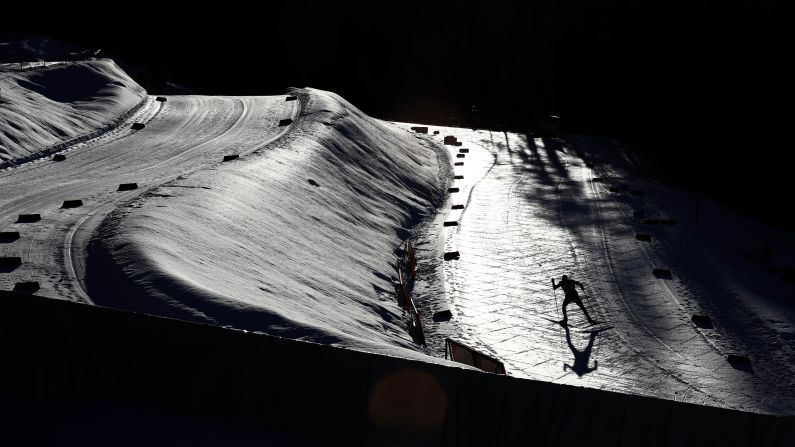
{"type": "Point", "coordinates": [570, 290]}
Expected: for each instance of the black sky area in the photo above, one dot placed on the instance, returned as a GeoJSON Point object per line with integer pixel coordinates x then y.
{"type": "Point", "coordinates": [697, 88]}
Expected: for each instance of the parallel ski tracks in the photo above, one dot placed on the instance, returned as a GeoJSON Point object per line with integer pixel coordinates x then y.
{"type": "Point", "coordinates": [582, 263]}
{"type": "Point", "coordinates": [70, 255]}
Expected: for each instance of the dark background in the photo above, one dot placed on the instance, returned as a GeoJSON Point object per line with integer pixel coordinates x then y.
{"type": "Point", "coordinates": [697, 90]}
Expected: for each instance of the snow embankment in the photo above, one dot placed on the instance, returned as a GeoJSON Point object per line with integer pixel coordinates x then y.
{"type": "Point", "coordinates": [295, 240]}
{"type": "Point", "coordinates": [51, 106]}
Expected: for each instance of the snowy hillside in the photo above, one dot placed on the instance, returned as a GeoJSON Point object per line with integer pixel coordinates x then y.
{"type": "Point", "coordinates": [295, 240]}
{"type": "Point", "coordinates": [46, 106]}
{"type": "Point", "coordinates": [533, 209]}
{"type": "Point", "coordinates": [297, 236]}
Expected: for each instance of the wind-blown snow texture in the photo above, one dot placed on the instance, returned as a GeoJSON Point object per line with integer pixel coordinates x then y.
{"type": "Point", "coordinates": [46, 106]}
{"type": "Point", "coordinates": [295, 241]}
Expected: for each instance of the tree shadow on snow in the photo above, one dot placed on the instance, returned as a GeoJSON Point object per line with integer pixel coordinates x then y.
{"type": "Point", "coordinates": [541, 165]}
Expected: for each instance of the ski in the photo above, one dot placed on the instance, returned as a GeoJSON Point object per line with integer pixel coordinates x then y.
{"type": "Point", "coordinates": [599, 326]}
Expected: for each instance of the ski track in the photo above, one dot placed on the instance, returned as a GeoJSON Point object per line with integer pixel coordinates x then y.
{"type": "Point", "coordinates": [532, 212]}
{"type": "Point", "coordinates": [182, 135]}
{"type": "Point", "coordinates": [610, 265]}
{"type": "Point", "coordinates": [509, 241]}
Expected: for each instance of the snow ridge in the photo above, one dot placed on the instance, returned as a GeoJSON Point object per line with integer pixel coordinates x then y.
{"type": "Point", "coordinates": [295, 240]}
{"type": "Point", "coordinates": [45, 110]}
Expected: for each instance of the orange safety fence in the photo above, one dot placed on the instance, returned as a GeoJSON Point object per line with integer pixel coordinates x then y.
{"type": "Point", "coordinates": [412, 260]}
{"type": "Point", "coordinates": [408, 260]}
{"type": "Point", "coordinates": [406, 301]}
{"type": "Point", "coordinates": [418, 330]}
{"type": "Point", "coordinates": [408, 264]}
{"type": "Point", "coordinates": [415, 325]}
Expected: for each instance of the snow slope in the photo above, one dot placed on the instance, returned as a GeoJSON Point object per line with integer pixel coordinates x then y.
{"type": "Point", "coordinates": [184, 134]}
{"type": "Point", "coordinates": [296, 240]}
{"type": "Point", "coordinates": [533, 211]}
{"type": "Point", "coordinates": [44, 106]}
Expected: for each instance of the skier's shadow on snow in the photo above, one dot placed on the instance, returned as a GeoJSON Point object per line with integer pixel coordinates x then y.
{"type": "Point", "coordinates": [581, 358]}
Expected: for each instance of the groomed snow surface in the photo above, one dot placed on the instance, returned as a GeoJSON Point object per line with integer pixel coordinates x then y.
{"type": "Point", "coordinates": [297, 236]}
{"type": "Point", "coordinates": [538, 208]}
{"type": "Point", "coordinates": [295, 240]}
{"type": "Point", "coordinates": [299, 232]}
{"type": "Point", "coordinates": [47, 105]}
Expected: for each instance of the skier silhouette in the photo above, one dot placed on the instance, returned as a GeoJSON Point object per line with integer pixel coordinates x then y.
{"type": "Point", "coordinates": [571, 297]}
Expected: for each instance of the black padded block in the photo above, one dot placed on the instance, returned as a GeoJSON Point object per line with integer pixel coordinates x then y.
{"type": "Point", "coordinates": [161, 99]}
{"type": "Point", "coordinates": [26, 287]}
{"type": "Point", "coordinates": [740, 362]}
{"type": "Point", "coordinates": [10, 261]}
{"type": "Point", "coordinates": [420, 129]}
{"type": "Point", "coordinates": [285, 122]}
{"type": "Point", "coordinates": [458, 177]}
{"type": "Point", "coordinates": [436, 132]}
{"type": "Point", "coordinates": [451, 224]}
{"type": "Point", "coordinates": [452, 190]}
{"type": "Point", "coordinates": [127, 186]}
{"type": "Point", "coordinates": [738, 359]}
{"type": "Point", "coordinates": [464, 150]}
{"type": "Point", "coordinates": [72, 203]}
{"type": "Point", "coordinates": [458, 143]}
{"type": "Point", "coordinates": [460, 155]}
{"type": "Point", "coordinates": [291, 98]}
{"type": "Point", "coordinates": [458, 163]}
{"type": "Point", "coordinates": [58, 157]}
{"type": "Point", "coordinates": [9, 236]}
{"type": "Point", "coordinates": [662, 273]}
{"type": "Point", "coordinates": [449, 140]}
{"type": "Point", "coordinates": [643, 237]}
{"type": "Point", "coordinates": [28, 218]}
{"type": "Point", "coordinates": [138, 126]}
{"type": "Point", "coordinates": [442, 315]}
{"type": "Point", "coordinates": [597, 179]}
{"type": "Point", "coordinates": [451, 255]}
{"type": "Point", "coordinates": [458, 207]}
{"type": "Point", "coordinates": [231, 157]}
{"type": "Point", "coordinates": [702, 321]}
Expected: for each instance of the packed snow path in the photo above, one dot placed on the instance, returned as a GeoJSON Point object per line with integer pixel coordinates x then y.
{"type": "Point", "coordinates": [533, 213]}
{"type": "Point", "coordinates": [182, 135]}
{"type": "Point", "coordinates": [296, 241]}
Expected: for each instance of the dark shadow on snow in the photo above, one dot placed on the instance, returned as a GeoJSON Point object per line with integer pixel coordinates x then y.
{"type": "Point", "coordinates": [581, 358]}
